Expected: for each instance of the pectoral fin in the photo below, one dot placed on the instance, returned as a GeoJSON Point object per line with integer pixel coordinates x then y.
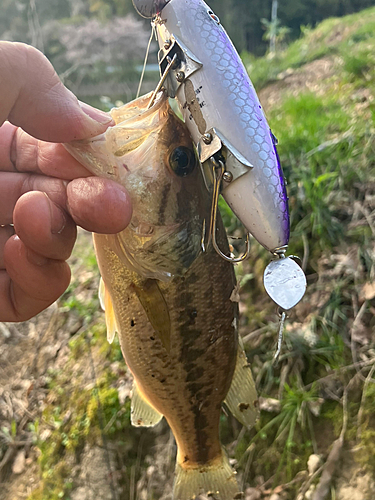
{"type": "Point", "coordinates": [142, 413]}
{"type": "Point", "coordinates": [242, 398]}
{"type": "Point", "coordinates": [107, 306]}
{"type": "Point", "coordinates": [153, 302]}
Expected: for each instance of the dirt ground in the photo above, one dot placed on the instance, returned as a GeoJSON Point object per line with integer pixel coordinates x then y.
{"type": "Point", "coordinates": [310, 77]}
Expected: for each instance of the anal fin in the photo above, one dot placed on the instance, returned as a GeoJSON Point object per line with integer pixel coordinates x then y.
{"type": "Point", "coordinates": [107, 306]}
{"type": "Point", "coordinates": [242, 397]}
{"type": "Point", "coordinates": [142, 413]}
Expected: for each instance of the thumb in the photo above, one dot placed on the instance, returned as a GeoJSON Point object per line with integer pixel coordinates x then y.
{"type": "Point", "coordinates": [33, 98]}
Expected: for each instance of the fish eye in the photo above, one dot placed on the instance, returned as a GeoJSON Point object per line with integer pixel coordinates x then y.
{"type": "Point", "coordinates": [182, 161]}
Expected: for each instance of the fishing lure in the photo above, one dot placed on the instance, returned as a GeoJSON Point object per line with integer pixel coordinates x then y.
{"type": "Point", "coordinates": [201, 68]}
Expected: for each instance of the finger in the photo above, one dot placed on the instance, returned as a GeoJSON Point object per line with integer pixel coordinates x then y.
{"type": "Point", "coordinates": [44, 227]}
{"type": "Point", "coordinates": [14, 185]}
{"type": "Point", "coordinates": [5, 233]}
{"type": "Point", "coordinates": [22, 153]}
{"type": "Point", "coordinates": [30, 283]}
{"type": "Point", "coordinates": [99, 205]}
{"type": "Point", "coordinates": [34, 98]}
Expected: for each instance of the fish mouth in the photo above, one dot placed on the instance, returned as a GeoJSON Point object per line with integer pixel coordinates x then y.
{"type": "Point", "coordinates": [139, 107]}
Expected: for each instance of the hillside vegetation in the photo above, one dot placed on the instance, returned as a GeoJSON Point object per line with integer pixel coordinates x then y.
{"type": "Point", "coordinates": [64, 406]}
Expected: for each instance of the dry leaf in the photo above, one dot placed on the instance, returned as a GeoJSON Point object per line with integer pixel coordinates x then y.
{"type": "Point", "coordinates": [235, 296]}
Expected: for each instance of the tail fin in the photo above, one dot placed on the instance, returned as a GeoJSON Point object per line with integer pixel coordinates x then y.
{"type": "Point", "coordinates": [217, 480]}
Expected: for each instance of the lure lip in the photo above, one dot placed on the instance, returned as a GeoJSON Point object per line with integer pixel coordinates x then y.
{"type": "Point", "coordinates": [149, 8]}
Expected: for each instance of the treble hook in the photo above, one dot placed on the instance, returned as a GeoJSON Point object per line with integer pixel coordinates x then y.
{"type": "Point", "coordinates": [218, 172]}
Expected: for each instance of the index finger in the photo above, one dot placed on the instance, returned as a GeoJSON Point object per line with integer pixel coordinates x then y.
{"type": "Point", "coordinates": [34, 98]}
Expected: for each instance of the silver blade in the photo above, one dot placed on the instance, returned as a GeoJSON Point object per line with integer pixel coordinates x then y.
{"type": "Point", "coordinates": [285, 282]}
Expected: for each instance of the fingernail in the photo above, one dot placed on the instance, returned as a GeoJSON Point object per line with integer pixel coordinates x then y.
{"type": "Point", "coordinates": [96, 114]}
{"type": "Point", "coordinates": [58, 219]}
{"type": "Point", "coordinates": [36, 259]}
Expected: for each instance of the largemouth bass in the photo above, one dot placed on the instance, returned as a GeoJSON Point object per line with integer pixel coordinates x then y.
{"type": "Point", "coordinates": [168, 298]}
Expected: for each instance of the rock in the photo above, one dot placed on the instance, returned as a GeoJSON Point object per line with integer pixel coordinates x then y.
{"type": "Point", "coordinates": [252, 494]}
{"type": "Point", "coordinates": [18, 466]}
{"type": "Point", "coordinates": [313, 463]}
{"type": "Point", "coordinates": [150, 471]}
{"type": "Point", "coordinates": [360, 487]}
{"type": "Point", "coordinates": [80, 494]}
{"type": "Point", "coordinates": [310, 492]}
{"type": "Point", "coordinates": [97, 477]}
{"type": "Point", "coordinates": [368, 291]}
{"type": "Point", "coordinates": [45, 434]}
{"type": "Point", "coordinates": [73, 323]}
{"type": "Point", "coordinates": [123, 393]}
{"type": "Point", "coordinates": [316, 406]}
{"type": "Point", "coordinates": [5, 330]}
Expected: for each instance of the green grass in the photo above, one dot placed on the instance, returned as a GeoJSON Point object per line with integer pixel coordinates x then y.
{"type": "Point", "coordinates": [284, 441]}
{"type": "Point", "coordinates": [335, 36]}
{"type": "Point", "coordinates": [321, 145]}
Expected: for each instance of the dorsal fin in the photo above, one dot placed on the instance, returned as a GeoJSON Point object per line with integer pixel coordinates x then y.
{"type": "Point", "coordinates": [107, 306]}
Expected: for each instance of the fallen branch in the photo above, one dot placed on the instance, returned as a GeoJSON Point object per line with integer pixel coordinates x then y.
{"type": "Point", "coordinates": [332, 142]}
{"type": "Point", "coordinates": [354, 366]}
{"type": "Point", "coordinates": [304, 488]}
{"type": "Point", "coordinates": [7, 458]}
{"type": "Point", "coordinates": [254, 334]}
{"type": "Point", "coordinates": [363, 399]}
{"type": "Point", "coordinates": [323, 487]}
{"type": "Point", "coordinates": [356, 325]}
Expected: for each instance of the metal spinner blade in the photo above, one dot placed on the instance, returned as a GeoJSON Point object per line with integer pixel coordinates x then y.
{"type": "Point", "coordinates": [285, 282]}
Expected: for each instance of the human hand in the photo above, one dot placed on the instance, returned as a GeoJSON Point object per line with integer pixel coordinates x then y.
{"type": "Point", "coordinates": [44, 191]}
